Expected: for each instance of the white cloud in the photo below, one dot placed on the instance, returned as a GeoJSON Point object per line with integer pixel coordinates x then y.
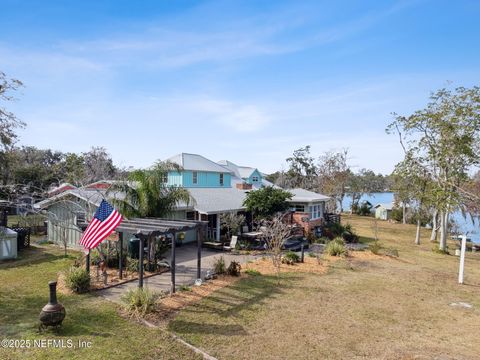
{"type": "Point", "coordinates": [239, 117]}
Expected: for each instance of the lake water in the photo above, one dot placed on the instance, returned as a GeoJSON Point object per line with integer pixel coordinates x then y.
{"type": "Point", "coordinates": [466, 225]}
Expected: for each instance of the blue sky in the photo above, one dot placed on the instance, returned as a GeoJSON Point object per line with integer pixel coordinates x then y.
{"type": "Point", "coordinates": [240, 80]}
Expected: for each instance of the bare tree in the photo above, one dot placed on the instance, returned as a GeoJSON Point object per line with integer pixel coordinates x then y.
{"type": "Point", "coordinates": [275, 232]}
{"type": "Point", "coordinates": [333, 176]}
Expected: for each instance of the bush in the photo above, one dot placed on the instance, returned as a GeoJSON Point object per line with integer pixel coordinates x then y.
{"type": "Point", "coordinates": [312, 255]}
{"type": "Point", "coordinates": [335, 230]}
{"type": "Point", "coordinates": [290, 258]}
{"type": "Point", "coordinates": [140, 301]}
{"type": "Point", "coordinates": [365, 209]}
{"type": "Point", "coordinates": [391, 252]}
{"type": "Point", "coordinates": [252, 272]}
{"type": "Point", "coordinates": [132, 265]}
{"type": "Point", "coordinates": [375, 248]}
{"type": "Point", "coordinates": [185, 288]}
{"type": "Point", "coordinates": [234, 269]}
{"type": "Point", "coordinates": [336, 247]}
{"type": "Point", "coordinates": [219, 266]}
{"type": "Point", "coordinates": [77, 279]}
{"type": "Point", "coordinates": [322, 240]}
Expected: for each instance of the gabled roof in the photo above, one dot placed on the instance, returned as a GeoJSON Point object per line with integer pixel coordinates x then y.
{"type": "Point", "coordinates": [387, 206]}
{"type": "Point", "coordinates": [197, 162]}
{"type": "Point", "coordinates": [302, 195]}
{"type": "Point", "coordinates": [243, 172]}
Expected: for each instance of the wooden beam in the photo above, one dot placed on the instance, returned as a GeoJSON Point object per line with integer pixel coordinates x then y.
{"type": "Point", "coordinates": [120, 260]}
{"type": "Point", "coordinates": [140, 263]}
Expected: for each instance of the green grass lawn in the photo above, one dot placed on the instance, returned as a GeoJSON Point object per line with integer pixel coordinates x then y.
{"type": "Point", "coordinates": [23, 293]}
{"type": "Point", "coordinates": [361, 309]}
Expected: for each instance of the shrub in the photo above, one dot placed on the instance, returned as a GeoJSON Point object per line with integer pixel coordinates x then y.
{"type": "Point", "coordinates": [375, 248]}
{"type": "Point", "coordinates": [132, 265]}
{"type": "Point", "coordinates": [185, 288]}
{"type": "Point", "coordinates": [252, 272]}
{"type": "Point", "coordinates": [335, 230]}
{"type": "Point", "coordinates": [391, 252]}
{"type": "Point", "coordinates": [336, 247]}
{"type": "Point", "coordinates": [290, 258]}
{"type": "Point", "coordinates": [219, 266]}
{"type": "Point", "coordinates": [140, 301]}
{"type": "Point", "coordinates": [77, 279]}
{"type": "Point", "coordinates": [234, 269]}
{"type": "Point", "coordinates": [322, 240]}
{"type": "Point", "coordinates": [311, 254]}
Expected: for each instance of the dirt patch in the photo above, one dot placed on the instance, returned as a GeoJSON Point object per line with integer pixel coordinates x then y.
{"type": "Point", "coordinates": [170, 305]}
{"type": "Point", "coordinates": [265, 266]}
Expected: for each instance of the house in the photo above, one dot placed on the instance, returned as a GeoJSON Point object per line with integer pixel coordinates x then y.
{"type": "Point", "coordinates": [308, 209]}
{"type": "Point", "coordinates": [383, 211]}
{"type": "Point", "coordinates": [247, 175]}
{"type": "Point", "coordinates": [216, 188]}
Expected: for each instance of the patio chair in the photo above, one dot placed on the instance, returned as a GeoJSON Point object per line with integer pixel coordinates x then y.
{"type": "Point", "coordinates": [233, 244]}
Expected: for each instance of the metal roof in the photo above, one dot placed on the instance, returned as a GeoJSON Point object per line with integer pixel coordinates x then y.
{"type": "Point", "coordinates": [157, 226]}
{"type": "Point", "coordinates": [197, 162]}
{"type": "Point", "coordinates": [302, 195]}
{"type": "Point", "coordinates": [217, 200]}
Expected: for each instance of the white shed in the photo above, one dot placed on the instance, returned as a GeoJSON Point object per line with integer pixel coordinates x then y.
{"type": "Point", "coordinates": [8, 244]}
{"type": "Point", "coordinates": [383, 211]}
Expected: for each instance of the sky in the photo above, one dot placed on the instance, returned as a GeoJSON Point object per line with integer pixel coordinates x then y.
{"type": "Point", "coordinates": [247, 81]}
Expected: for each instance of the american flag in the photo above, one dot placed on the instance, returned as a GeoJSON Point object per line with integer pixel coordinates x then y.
{"type": "Point", "coordinates": [105, 220]}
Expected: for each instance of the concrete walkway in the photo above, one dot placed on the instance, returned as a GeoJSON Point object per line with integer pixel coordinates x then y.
{"type": "Point", "coordinates": [186, 271]}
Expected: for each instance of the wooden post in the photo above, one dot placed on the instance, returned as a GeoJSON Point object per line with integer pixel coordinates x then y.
{"type": "Point", "coordinates": [199, 252]}
{"type": "Point", "coordinates": [172, 263]}
{"type": "Point", "coordinates": [120, 261]}
{"type": "Point", "coordinates": [88, 262]}
{"type": "Point", "coordinates": [462, 259]}
{"type": "Point", "coordinates": [303, 253]}
{"type": "Point", "coordinates": [140, 263]}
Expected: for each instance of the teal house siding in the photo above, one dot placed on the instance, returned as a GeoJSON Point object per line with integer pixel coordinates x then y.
{"type": "Point", "coordinates": [254, 176]}
{"type": "Point", "coordinates": [206, 179]}
{"type": "Point", "coordinates": [175, 178]}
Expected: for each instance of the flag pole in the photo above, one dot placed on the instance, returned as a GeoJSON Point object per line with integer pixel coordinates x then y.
{"type": "Point", "coordinates": [88, 261]}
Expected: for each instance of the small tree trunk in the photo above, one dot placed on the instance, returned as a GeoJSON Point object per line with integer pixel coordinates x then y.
{"type": "Point", "coordinates": [433, 236]}
{"type": "Point", "coordinates": [404, 220]}
{"type": "Point", "coordinates": [417, 236]}
{"type": "Point", "coordinates": [443, 230]}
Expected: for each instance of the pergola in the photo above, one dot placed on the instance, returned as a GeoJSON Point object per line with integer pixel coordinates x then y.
{"type": "Point", "coordinates": [145, 229]}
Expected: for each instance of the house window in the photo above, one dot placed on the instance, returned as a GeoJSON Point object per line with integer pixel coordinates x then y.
{"type": "Point", "coordinates": [299, 208]}
{"type": "Point", "coordinates": [221, 179]}
{"type": "Point", "coordinates": [165, 178]}
{"type": "Point", "coordinates": [190, 215]}
{"type": "Point", "coordinates": [314, 212]}
{"type": "Point", "coordinates": [194, 177]}
{"type": "Point", "coordinates": [255, 178]}
{"type": "Point", "coordinates": [80, 218]}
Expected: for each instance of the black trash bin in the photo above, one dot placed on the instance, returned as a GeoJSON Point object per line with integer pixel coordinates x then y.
{"type": "Point", "coordinates": [133, 247]}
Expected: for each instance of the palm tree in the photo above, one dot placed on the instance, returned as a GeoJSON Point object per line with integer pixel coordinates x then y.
{"type": "Point", "coordinates": [147, 194]}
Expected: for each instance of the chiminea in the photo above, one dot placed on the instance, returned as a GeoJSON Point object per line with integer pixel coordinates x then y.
{"type": "Point", "coordinates": [53, 313]}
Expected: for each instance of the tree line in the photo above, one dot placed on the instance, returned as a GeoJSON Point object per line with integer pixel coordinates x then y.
{"type": "Point", "coordinates": [33, 171]}
{"type": "Point", "coordinates": [330, 174]}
